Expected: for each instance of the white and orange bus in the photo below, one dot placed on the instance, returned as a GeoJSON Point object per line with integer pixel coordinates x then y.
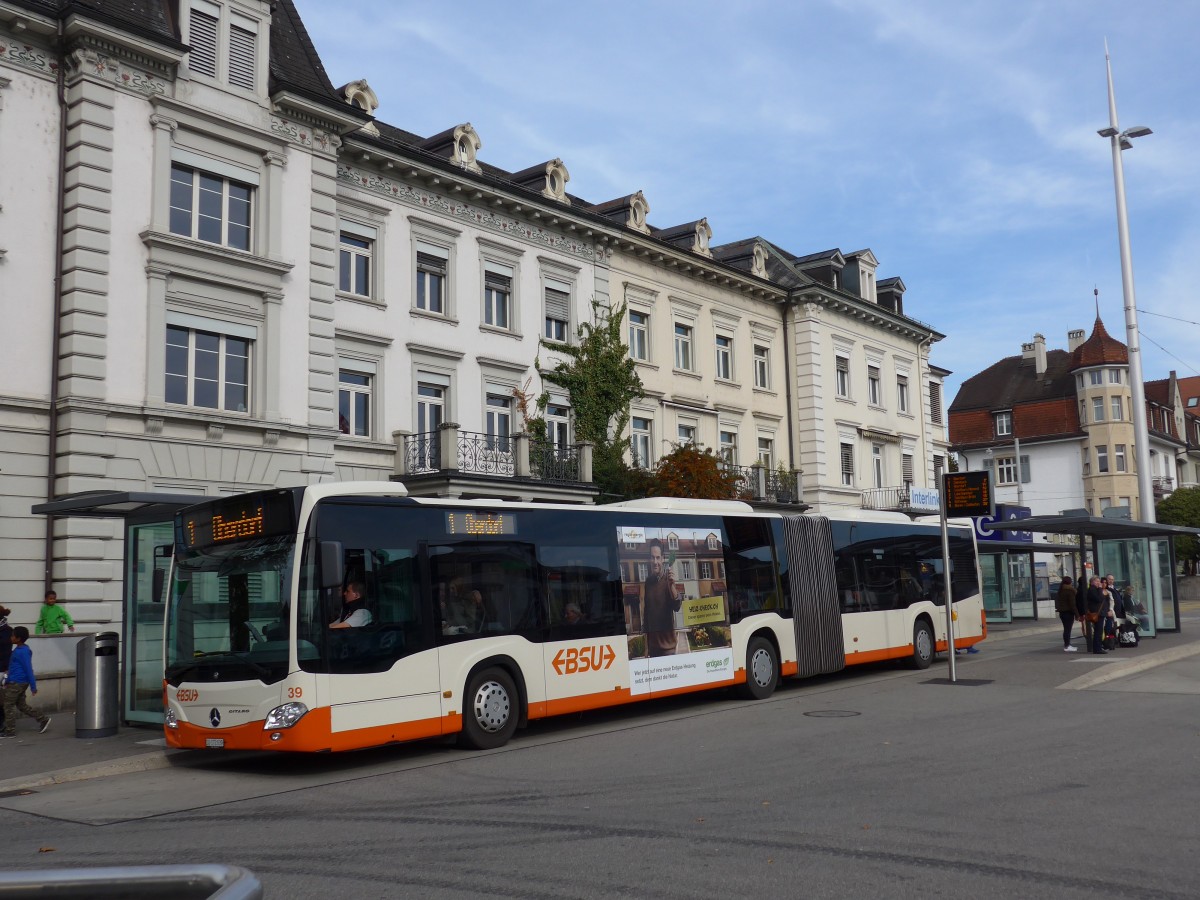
{"type": "Point", "coordinates": [472, 617]}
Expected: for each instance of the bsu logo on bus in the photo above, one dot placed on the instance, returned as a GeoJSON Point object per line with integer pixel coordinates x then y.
{"type": "Point", "coordinates": [570, 660]}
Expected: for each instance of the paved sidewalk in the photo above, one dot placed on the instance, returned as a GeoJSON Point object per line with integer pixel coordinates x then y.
{"type": "Point", "coordinates": [32, 760]}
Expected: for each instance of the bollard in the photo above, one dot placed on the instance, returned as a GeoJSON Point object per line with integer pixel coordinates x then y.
{"type": "Point", "coordinates": [97, 685]}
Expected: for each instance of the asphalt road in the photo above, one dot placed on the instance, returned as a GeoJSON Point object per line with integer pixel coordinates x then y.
{"type": "Point", "coordinates": [1019, 781]}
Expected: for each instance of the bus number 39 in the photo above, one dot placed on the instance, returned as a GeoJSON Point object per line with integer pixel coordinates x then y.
{"type": "Point", "coordinates": [294, 692]}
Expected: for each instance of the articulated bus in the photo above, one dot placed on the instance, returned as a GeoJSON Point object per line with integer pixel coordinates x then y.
{"type": "Point", "coordinates": [472, 617]}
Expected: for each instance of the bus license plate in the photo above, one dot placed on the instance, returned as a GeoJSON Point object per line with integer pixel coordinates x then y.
{"type": "Point", "coordinates": [214, 743]}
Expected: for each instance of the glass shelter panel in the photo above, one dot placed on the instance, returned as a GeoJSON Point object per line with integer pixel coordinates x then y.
{"type": "Point", "coordinates": [1129, 562]}
{"type": "Point", "coordinates": [1021, 588]}
{"type": "Point", "coordinates": [995, 587]}
{"type": "Point", "coordinates": [148, 549]}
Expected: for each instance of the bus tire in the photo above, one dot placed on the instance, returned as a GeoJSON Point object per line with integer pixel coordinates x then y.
{"type": "Point", "coordinates": [491, 710]}
{"type": "Point", "coordinates": [762, 669]}
{"type": "Point", "coordinates": [924, 645]}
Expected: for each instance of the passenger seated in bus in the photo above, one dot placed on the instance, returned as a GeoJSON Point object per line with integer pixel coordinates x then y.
{"type": "Point", "coordinates": [572, 614]}
{"type": "Point", "coordinates": [354, 607]}
{"type": "Point", "coordinates": [465, 612]}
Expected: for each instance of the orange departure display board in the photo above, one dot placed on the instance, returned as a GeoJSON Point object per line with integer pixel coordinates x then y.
{"type": "Point", "coordinates": [968, 494]}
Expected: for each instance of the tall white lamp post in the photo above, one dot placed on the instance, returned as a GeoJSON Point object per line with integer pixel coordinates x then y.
{"type": "Point", "coordinates": [1123, 140]}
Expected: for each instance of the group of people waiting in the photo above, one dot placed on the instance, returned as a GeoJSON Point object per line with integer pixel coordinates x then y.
{"type": "Point", "coordinates": [1100, 608]}
{"type": "Point", "coordinates": [16, 663]}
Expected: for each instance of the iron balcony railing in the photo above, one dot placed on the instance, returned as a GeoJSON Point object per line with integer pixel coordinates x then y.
{"type": "Point", "coordinates": [505, 456]}
{"type": "Point", "coordinates": [762, 483]}
{"type": "Point", "coordinates": [553, 463]}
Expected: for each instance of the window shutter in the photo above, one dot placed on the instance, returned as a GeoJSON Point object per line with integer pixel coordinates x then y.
{"type": "Point", "coordinates": [935, 402]}
{"type": "Point", "coordinates": [497, 282]}
{"type": "Point", "coordinates": [1025, 472]}
{"type": "Point", "coordinates": [431, 263]}
{"type": "Point", "coordinates": [906, 467]}
{"type": "Point", "coordinates": [202, 39]}
{"type": "Point", "coordinates": [241, 57]}
{"type": "Point", "coordinates": [557, 305]}
{"type": "Point", "coordinates": [847, 459]}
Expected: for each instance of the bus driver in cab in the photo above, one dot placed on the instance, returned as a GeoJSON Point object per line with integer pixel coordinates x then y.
{"type": "Point", "coordinates": [354, 607]}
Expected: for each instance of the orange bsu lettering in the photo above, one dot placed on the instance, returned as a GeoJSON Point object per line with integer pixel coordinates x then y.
{"type": "Point", "coordinates": [186, 695]}
{"type": "Point", "coordinates": [570, 660]}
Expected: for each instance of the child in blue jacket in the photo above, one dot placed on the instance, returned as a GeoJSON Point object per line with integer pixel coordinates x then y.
{"type": "Point", "coordinates": [20, 679]}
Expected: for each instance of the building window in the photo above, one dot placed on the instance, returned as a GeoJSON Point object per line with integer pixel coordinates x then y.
{"type": "Point", "coordinates": [354, 403]}
{"type": "Point", "coordinates": [1118, 409]}
{"type": "Point", "coordinates": [210, 208]}
{"type": "Point", "coordinates": [766, 453]}
{"type": "Point", "coordinates": [683, 347]}
{"type": "Point", "coordinates": [640, 442]}
{"type": "Point", "coordinates": [1006, 470]}
{"type": "Point", "coordinates": [431, 413]}
{"type": "Point", "coordinates": [242, 43]}
{"type": "Point", "coordinates": [1079, 382]}
{"type": "Point", "coordinates": [203, 29]}
{"type": "Point", "coordinates": [207, 369]}
{"type": "Point", "coordinates": [939, 466]}
{"type": "Point", "coordinates": [1119, 457]}
{"type": "Point", "coordinates": [873, 385]}
{"type": "Point", "coordinates": [431, 283]}
{"type": "Point", "coordinates": [1087, 462]}
{"type": "Point", "coordinates": [1102, 459]}
{"type": "Point", "coordinates": [705, 570]}
{"type": "Point", "coordinates": [1096, 376]}
{"type": "Point", "coordinates": [902, 393]}
{"type": "Point", "coordinates": [843, 376]}
{"type": "Point", "coordinates": [848, 464]}
{"type": "Point", "coordinates": [205, 49]}
{"type": "Point", "coordinates": [728, 441]}
{"type": "Point", "coordinates": [354, 264]}
{"type": "Point", "coordinates": [1004, 424]}
{"type": "Point", "coordinates": [935, 403]}
{"type": "Point", "coordinates": [1114, 376]}
{"type": "Point", "coordinates": [1097, 409]}
{"type": "Point", "coordinates": [639, 336]}
{"type": "Point", "coordinates": [724, 357]}
{"type": "Point", "coordinates": [672, 542]}
{"type": "Point", "coordinates": [877, 464]}
{"type": "Point", "coordinates": [687, 434]}
{"type": "Point", "coordinates": [498, 417]}
{"type": "Point", "coordinates": [762, 367]}
{"type": "Point", "coordinates": [558, 315]}
{"type": "Point", "coordinates": [558, 425]}
{"type": "Point", "coordinates": [497, 299]}
{"type": "Point", "coordinates": [906, 468]}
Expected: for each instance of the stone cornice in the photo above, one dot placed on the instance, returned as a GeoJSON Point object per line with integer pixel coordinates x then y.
{"type": "Point", "coordinates": [116, 42]}
{"type": "Point", "coordinates": [867, 312]}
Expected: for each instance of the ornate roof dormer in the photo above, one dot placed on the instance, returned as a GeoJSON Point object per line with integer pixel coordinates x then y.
{"type": "Point", "coordinates": [460, 145]}
{"type": "Point", "coordinates": [550, 178]}
{"type": "Point", "coordinates": [359, 95]}
{"type": "Point", "coordinates": [630, 211]}
{"type": "Point", "coordinates": [759, 266]}
{"type": "Point", "coordinates": [693, 236]}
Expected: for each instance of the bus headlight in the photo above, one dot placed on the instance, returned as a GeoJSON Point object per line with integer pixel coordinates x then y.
{"type": "Point", "coordinates": [169, 718]}
{"type": "Point", "coordinates": [284, 716]}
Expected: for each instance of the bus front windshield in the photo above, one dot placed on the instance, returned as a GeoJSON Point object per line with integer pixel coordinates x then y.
{"type": "Point", "coordinates": [228, 613]}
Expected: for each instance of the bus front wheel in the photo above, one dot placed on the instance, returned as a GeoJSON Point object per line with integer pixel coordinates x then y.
{"type": "Point", "coordinates": [491, 710]}
{"type": "Point", "coordinates": [923, 645]}
{"type": "Point", "coordinates": [762, 669]}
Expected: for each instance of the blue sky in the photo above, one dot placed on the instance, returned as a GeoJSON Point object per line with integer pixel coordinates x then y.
{"type": "Point", "coordinates": [955, 139]}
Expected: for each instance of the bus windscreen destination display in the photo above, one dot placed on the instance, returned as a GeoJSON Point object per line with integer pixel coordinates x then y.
{"type": "Point", "coordinates": [238, 519]}
{"type": "Point", "coordinates": [968, 494]}
{"type": "Point", "coordinates": [481, 523]}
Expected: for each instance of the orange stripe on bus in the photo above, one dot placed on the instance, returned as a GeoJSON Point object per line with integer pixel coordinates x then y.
{"type": "Point", "coordinates": [786, 670]}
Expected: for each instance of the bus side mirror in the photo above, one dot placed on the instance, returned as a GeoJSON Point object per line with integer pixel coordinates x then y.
{"type": "Point", "coordinates": [332, 573]}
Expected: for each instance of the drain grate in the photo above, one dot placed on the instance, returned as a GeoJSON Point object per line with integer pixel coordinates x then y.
{"type": "Point", "coordinates": [832, 713]}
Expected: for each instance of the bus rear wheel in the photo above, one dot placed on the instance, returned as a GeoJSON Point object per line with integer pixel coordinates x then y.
{"type": "Point", "coordinates": [491, 710]}
{"type": "Point", "coordinates": [923, 645]}
{"type": "Point", "coordinates": [762, 669]}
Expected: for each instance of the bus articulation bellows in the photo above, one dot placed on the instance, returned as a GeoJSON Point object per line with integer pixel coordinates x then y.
{"type": "Point", "coordinates": [336, 617]}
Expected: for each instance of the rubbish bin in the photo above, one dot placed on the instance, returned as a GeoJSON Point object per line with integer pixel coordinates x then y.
{"type": "Point", "coordinates": [97, 682]}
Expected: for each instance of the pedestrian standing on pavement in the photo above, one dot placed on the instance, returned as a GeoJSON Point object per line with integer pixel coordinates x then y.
{"type": "Point", "coordinates": [5, 652]}
{"type": "Point", "coordinates": [1067, 611]}
{"type": "Point", "coordinates": [53, 617]}
{"type": "Point", "coordinates": [20, 680]}
{"type": "Point", "coordinates": [1098, 603]}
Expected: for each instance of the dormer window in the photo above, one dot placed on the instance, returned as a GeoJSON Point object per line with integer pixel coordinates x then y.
{"type": "Point", "coordinates": [639, 208]}
{"type": "Point", "coordinates": [1004, 424]}
{"type": "Point", "coordinates": [222, 45]}
{"type": "Point", "coordinates": [466, 147]}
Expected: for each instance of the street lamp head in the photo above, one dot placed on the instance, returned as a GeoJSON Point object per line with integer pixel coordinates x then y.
{"type": "Point", "coordinates": [1125, 142]}
{"type": "Point", "coordinates": [1136, 131]}
{"type": "Point", "coordinates": [1107, 132]}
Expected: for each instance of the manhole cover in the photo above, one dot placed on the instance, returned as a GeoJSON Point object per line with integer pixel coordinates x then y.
{"type": "Point", "coordinates": [832, 713]}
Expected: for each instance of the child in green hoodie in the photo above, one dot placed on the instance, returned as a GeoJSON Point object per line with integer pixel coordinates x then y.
{"type": "Point", "coordinates": [53, 617]}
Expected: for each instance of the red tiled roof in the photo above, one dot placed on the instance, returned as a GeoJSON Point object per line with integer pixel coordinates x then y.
{"type": "Point", "coordinates": [1099, 349]}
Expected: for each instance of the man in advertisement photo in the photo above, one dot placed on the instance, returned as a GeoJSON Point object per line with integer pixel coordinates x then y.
{"type": "Point", "coordinates": [660, 601]}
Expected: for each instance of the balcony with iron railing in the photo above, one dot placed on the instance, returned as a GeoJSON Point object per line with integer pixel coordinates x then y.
{"type": "Point", "coordinates": [1162, 485]}
{"type": "Point", "coordinates": [903, 498]}
{"type": "Point", "coordinates": [452, 451]}
{"type": "Point", "coordinates": [764, 484]}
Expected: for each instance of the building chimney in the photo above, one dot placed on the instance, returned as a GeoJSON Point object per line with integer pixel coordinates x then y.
{"type": "Point", "coordinates": [1039, 354]}
{"type": "Point", "coordinates": [1075, 337]}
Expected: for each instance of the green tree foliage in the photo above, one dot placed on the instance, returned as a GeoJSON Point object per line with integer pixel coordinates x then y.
{"type": "Point", "coordinates": [601, 381]}
{"type": "Point", "coordinates": [1182, 508]}
{"type": "Point", "coordinates": [688, 471]}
